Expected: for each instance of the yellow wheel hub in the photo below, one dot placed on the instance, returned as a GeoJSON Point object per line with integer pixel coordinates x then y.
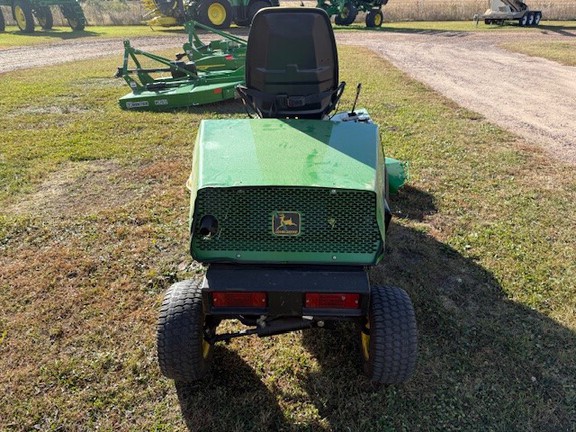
{"type": "Point", "coordinates": [378, 20]}
{"type": "Point", "coordinates": [366, 343]}
{"type": "Point", "coordinates": [216, 14]}
{"type": "Point", "coordinates": [20, 17]}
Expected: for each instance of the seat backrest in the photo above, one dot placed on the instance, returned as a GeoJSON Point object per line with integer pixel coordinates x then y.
{"type": "Point", "coordinates": [291, 63]}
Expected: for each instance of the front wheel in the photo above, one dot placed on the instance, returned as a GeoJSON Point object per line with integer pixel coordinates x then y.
{"type": "Point", "coordinates": [183, 351]}
{"type": "Point", "coordinates": [537, 18]}
{"type": "Point", "coordinates": [389, 337]}
{"type": "Point", "coordinates": [74, 15]}
{"type": "Point", "coordinates": [523, 21]}
{"type": "Point", "coordinates": [347, 15]}
{"type": "Point", "coordinates": [22, 11]}
{"type": "Point", "coordinates": [374, 18]}
{"type": "Point", "coordinates": [215, 13]}
{"type": "Point", "coordinates": [44, 16]}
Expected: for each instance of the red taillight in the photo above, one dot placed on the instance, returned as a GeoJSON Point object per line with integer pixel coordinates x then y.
{"type": "Point", "coordinates": [217, 90]}
{"type": "Point", "coordinates": [332, 301]}
{"type": "Point", "coordinates": [239, 299]}
{"type": "Point", "coordinates": [229, 57]}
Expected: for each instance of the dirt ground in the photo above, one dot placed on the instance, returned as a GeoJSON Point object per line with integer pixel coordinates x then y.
{"type": "Point", "coordinates": [531, 97]}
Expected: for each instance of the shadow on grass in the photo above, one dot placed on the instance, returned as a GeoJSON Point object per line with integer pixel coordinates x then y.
{"type": "Point", "coordinates": [564, 30]}
{"type": "Point", "coordinates": [569, 31]}
{"type": "Point", "coordinates": [485, 362]}
{"type": "Point", "coordinates": [56, 34]}
{"type": "Point", "coordinates": [206, 406]}
{"type": "Point", "coordinates": [403, 30]}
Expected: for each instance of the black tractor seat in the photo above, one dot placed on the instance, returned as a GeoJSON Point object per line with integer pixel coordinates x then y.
{"type": "Point", "coordinates": [291, 64]}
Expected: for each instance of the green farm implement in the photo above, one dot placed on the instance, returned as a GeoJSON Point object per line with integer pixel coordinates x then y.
{"type": "Point", "coordinates": [288, 211]}
{"type": "Point", "coordinates": [24, 12]}
{"type": "Point", "coordinates": [210, 73]}
{"type": "Point", "coordinates": [345, 11]}
{"type": "Point", "coordinates": [215, 13]}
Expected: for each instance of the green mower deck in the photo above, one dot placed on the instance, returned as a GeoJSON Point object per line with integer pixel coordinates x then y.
{"type": "Point", "coordinates": [210, 75]}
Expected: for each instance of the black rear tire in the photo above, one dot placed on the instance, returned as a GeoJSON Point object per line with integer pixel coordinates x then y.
{"type": "Point", "coordinates": [537, 18]}
{"type": "Point", "coordinates": [44, 16]}
{"type": "Point", "coordinates": [389, 337]}
{"type": "Point", "coordinates": [22, 11]}
{"type": "Point", "coordinates": [347, 15]}
{"type": "Point", "coordinates": [183, 353]}
{"type": "Point", "coordinates": [2, 22]}
{"type": "Point", "coordinates": [523, 21]}
{"type": "Point", "coordinates": [374, 18]}
{"type": "Point", "coordinates": [215, 13]}
{"type": "Point", "coordinates": [74, 15]}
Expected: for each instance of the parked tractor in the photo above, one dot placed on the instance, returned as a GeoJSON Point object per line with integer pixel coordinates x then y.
{"type": "Point", "coordinates": [345, 11]}
{"type": "Point", "coordinates": [218, 14]}
{"type": "Point", "coordinates": [24, 12]}
{"type": "Point", "coordinates": [501, 11]}
{"type": "Point", "coordinates": [288, 210]}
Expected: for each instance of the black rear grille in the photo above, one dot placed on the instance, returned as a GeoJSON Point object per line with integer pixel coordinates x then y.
{"type": "Point", "coordinates": [332, 220]}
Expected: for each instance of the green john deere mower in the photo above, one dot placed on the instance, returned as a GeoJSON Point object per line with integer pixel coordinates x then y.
{"type": "Point", "coordinates": [288, 211]}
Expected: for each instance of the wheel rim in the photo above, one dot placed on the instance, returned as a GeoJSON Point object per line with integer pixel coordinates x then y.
{"type": "Point", "coordinates": [216, 14]}
{"type": "Point", "coordinates": [378, 20]}
{"type": "Point", "coordinates": [345, 13]}
{"type": "Point", "coordinates": [20, 17]}
{"type": "Point", "coordinates": [365, 338]}
{"type": "Point", "coordinates": [205, 348]}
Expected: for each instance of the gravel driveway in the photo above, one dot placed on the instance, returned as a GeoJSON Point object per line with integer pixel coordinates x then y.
{"type": "Point", "coordinates": [531, 97]}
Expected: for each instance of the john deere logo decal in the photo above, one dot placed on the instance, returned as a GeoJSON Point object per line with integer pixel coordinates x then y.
{"type": "Point", "coordinates": [285, 223]}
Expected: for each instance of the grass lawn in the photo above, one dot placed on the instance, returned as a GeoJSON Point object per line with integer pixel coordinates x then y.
{"type": "Point", "coordinates": [13, 37]}
{"type": "Point", "coordinates": [563, 52]}
{"type": "Point", "coordinates": [93, 229]}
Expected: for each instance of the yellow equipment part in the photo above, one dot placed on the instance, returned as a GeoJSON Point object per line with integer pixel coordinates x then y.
{"type": "Point", "coordinates": [156, 18]}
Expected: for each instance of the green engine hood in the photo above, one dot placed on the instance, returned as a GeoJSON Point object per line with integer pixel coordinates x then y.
{"type": "Point", "coordinates": [273, 152]}
{"type": "Point", "coordinates": [327, 176]}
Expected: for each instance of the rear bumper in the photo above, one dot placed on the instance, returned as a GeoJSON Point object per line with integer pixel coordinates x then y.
{"type": "Point", "coordinates": [286, 287]}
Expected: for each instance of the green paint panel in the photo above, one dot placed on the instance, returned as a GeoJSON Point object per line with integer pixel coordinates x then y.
{"type": "Point", "coordinates": [178, 97]}
{"type": "Point", "coordinates": [274, 152]}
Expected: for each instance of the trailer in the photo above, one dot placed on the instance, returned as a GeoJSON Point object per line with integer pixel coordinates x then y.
{"type": "Point", "coordinates": [501, 11]}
